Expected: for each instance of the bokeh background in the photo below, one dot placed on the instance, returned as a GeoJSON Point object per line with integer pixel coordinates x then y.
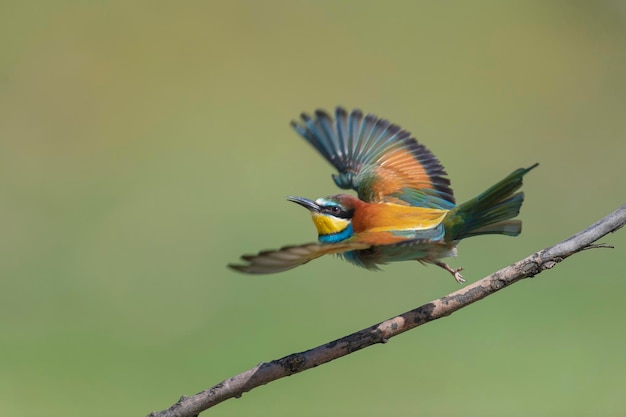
{"type": "Point", "coordinates": [144, 145]}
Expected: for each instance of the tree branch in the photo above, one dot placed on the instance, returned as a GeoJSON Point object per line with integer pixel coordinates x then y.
{"type": "Point", "coordinates": [379, 333]}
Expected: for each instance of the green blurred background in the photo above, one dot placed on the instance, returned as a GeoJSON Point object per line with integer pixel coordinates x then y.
{"type": "Point", "coordinates": [144, 145]}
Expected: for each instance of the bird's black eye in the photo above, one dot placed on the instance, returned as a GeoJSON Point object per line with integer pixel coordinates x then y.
{"type": "Point", "coordinates": [332, 210]}
{"type": "Point", "coordinates": [337, 211]}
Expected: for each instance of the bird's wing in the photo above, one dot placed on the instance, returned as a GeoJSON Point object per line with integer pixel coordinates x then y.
{"type": "Point", "coordinates": [288, 257]}
{"type": "Point", "coordinates": [379, 160]}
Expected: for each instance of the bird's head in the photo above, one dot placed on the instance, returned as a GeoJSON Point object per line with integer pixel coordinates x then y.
{"type": "Point", "coordinates": [332, 216]}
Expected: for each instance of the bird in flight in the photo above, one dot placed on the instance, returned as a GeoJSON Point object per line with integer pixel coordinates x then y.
{"type": "Point", "coordinates": [404, 209]}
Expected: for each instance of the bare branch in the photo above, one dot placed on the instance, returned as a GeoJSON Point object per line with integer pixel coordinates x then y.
{"type": "Point", "coordinates": [379, 333]}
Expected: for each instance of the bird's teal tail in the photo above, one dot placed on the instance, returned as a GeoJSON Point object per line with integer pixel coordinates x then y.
{"type": "Point", "coordinates": [491, 212]}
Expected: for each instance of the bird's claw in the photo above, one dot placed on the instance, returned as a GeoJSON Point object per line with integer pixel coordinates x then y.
{"type": "Point", "coordinates": [455, 272]}
{"type": "Point", "coordinates": [458, 277]}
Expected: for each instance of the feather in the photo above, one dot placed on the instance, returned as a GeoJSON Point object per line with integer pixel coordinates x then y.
{"type": "Point", "coordinates": [288, 257]}
{"type": "Point", "coordinates": [378, 159]}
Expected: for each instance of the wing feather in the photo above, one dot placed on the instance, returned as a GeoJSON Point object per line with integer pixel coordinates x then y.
{"type": "Point", "coordinates": [288, 257]}
{"type": "Point", "coordinates": [378, 159]}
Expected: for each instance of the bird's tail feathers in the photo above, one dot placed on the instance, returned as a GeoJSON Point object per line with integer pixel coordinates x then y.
{"type": "Point", "coordinates": [491, 211]}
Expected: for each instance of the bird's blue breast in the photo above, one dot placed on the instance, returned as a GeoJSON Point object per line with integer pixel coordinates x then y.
{"type": "Point", "coordinates": [337, 237]}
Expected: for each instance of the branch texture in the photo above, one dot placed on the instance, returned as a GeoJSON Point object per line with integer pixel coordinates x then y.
{"type": "Point", "coordinates": [266, 372]}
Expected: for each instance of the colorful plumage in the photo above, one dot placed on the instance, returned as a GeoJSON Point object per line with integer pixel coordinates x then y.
{"type": "Point", "coordinates": [405, 209]}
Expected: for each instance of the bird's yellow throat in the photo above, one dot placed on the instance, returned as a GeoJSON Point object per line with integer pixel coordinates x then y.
{"type": "Point", "coordinates": [327, 225]}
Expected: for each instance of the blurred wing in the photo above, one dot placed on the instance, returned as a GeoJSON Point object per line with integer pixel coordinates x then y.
{"type": "Point", "coordinates": [288, 257]}
{"type": "Point", "coordinates": [397, 245]}
{"type": "Point", "coordinates": [379, 160]}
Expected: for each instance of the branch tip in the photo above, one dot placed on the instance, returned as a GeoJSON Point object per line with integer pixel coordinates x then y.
{"type": "Point", "coordinates": [598, 246]}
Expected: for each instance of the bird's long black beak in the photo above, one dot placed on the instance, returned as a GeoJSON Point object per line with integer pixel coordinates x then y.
{"type": "Point", "coordinates": [306, 203]}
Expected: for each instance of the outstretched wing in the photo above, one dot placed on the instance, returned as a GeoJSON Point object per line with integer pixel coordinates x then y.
{"type": "Point", "coordinates": [288, 257]}
{"type": "Point", "coordinates": [379, 160]}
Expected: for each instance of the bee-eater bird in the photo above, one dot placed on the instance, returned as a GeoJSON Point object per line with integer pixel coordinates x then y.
{"type": "Point", "coordinates": [405, 209]}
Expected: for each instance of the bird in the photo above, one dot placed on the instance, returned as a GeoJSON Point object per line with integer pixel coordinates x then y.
{"type": "Point", "coordinates": [404, 209]}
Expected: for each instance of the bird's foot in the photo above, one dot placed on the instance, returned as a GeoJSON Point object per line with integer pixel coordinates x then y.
{"type": "Point", "coordinates": [454, 271]}
{"type": "Point", "coordinates": [458, 277]}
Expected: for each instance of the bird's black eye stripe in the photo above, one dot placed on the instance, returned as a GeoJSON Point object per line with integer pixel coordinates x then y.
{"type": "Point", "coordinates": [337, 211]}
